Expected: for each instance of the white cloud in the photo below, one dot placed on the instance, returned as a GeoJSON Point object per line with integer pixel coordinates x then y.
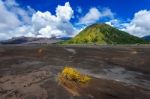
{"type": "Point", "coordinates": [4, 36]}
{"type": "Point", "coordinates": [24, 30]}
{"type": "Point", "coordinates": [50, 32]}
{"type": "Point", "coordinates": [140, 24]}
{"type": "Point", "coordinates": [94, 15]}
{"type": "Point", "coordinates": [8, 20]}
{"type": "Point", "coordinates": [106, 12]}
{"type": "Point", "coordinates": [12, 18]}
{"type": "Point", "coordinates": [113, 22]}
{"type": "Point", "coordinates": [15, 21]}
{"type": "Point", "coordinates": [64, 13]}
{"type": "Point", "coordinates": [79, 9]}
{"type": "Point", "coordinates": [11, 3]}
{"type": "Point", "coordinates": [47, 25]}
{"type": "Point", "coordinates": [116, 23]}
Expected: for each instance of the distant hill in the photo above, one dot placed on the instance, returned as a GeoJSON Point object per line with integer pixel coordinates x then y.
{"type": "Point", "coordinates": [104, 34]}
{"type": "Point", "coordinates": [65, 38]}
{"type": "Point", "coordinates": [32, 40]}
{"type": "Point", "coordinates": [146, 38]}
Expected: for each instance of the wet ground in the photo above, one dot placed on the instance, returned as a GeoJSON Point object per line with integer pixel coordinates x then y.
{"type": "Point", "coordinates": [118, 72]}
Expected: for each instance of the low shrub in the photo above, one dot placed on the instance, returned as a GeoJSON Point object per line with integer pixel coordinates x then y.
{"type": "Point", "coordinates": [72, 74]}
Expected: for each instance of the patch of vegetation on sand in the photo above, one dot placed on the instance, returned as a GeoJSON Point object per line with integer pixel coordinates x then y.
{"type": "Point", "coordinates": [72, 80]}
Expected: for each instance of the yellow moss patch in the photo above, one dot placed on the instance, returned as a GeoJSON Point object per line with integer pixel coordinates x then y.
{"type": "Point", "coordinates": [72, 74]}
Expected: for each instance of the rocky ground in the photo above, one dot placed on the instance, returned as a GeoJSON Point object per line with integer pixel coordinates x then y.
{"type": "Point", "coordinates": [118, 72]}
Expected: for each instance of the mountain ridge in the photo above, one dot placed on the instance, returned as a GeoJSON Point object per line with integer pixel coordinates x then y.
{"type": "Point", "coordinates": [146, 37]}
{"type": "Point", "coordinates": [33, 40]}
{"type": "Point", "coordinates": [104, 34]}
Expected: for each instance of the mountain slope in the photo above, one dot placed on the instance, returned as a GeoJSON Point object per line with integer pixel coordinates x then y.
{"type": "Point", "coordinates": [103, 34]}
{"type": "Point", "coordinates": [31, 40]}
{"type": "Point", "coordinates": [146, 38]}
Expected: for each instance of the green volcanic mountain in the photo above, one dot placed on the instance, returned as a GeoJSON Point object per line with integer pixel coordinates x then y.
{"type": "Point", "coordinates": [104, 34]}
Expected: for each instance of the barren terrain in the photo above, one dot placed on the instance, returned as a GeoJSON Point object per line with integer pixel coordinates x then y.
{"type": "Point", "coordinates": [118, 72]}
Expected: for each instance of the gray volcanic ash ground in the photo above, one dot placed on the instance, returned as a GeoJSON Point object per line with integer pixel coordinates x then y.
{"type": "Point", "coordinates": [118, 72]}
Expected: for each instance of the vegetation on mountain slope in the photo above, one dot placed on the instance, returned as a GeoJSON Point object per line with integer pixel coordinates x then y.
{"type": "Point", "coordinates": [104, 34]}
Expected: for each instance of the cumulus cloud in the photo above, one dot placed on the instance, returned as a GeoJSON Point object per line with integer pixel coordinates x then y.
{"type": "Point", "coordinates": [46, 25]}
{"type": "Point", "coordinates": [140, 24]}
{"type": "Point", "coordinates": [94, 15]}
{"type": "Point", "coordinates": [12, 17]}
{"type": "Point", "coordinates": [64, 13]}
{"type": "Point", "coordinates": [16, 21]}
{"type": "Point", "coordinates": [8, 20]}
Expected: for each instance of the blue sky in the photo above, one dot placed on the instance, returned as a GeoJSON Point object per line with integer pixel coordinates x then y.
{"type": "Point", "coordinates": [123, 8]}
{"type": "Point", "coordinates": [48, 18]}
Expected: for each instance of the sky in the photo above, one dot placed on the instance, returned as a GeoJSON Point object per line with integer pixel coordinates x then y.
{"type": "Point", "coordinates": [61, 18]}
